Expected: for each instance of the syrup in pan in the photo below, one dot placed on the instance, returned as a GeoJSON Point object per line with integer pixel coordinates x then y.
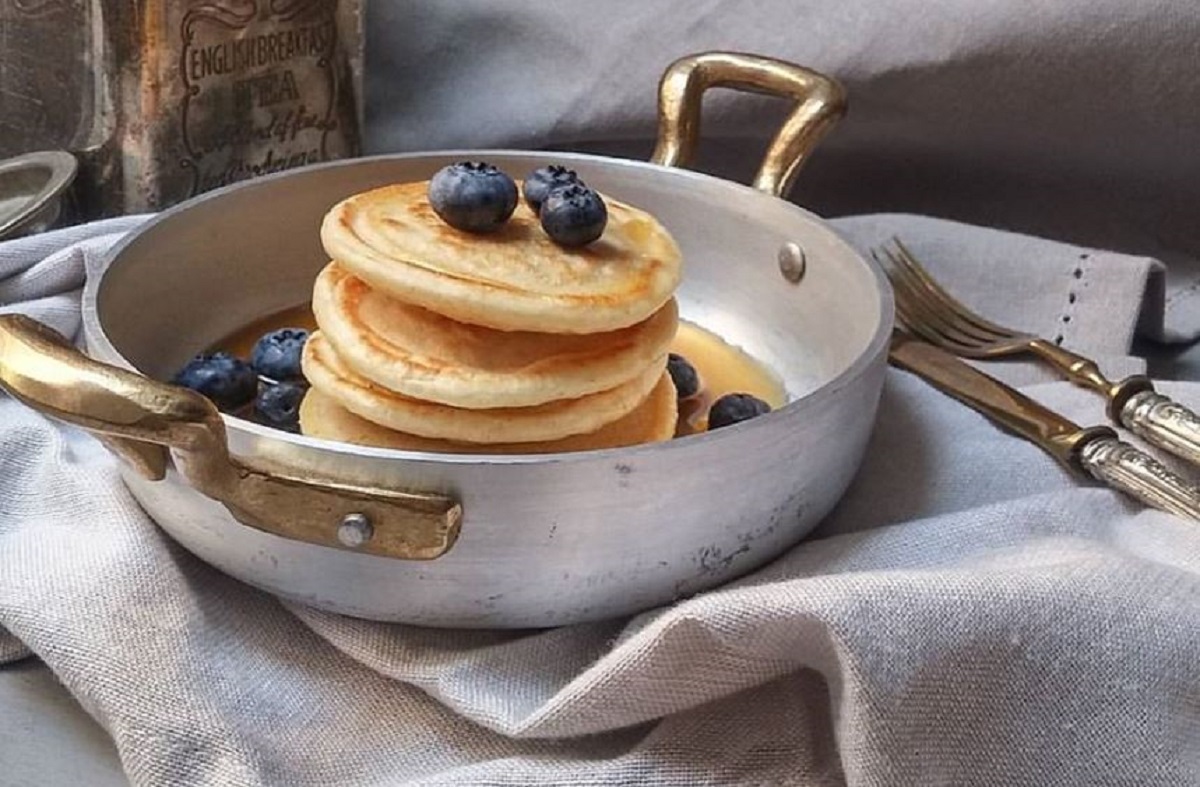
{"type": "Point", "coordinates": [722, 367]}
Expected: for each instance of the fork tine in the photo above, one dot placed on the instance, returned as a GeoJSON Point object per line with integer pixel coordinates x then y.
{"type": "Point", "coordinates": [910, 263]}
{"type": "Point", "coordinates": [924, 308]}
{"type": "Point", "coordinates": [919, 320]}
{"type": "Point", "coordinates": [907, 275]}
{"type": "Point", "coordinates": [915, 324]}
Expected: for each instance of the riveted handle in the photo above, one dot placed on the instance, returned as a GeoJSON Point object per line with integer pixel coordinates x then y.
{"type": "Point", "coordinates": [142, 418]}
{"type": "Point", "coordinates": [1163, 422]}
{"type": "Point", "coordinates": [821, 101]}
{"type": "Point", "coordinates": [1133, 471]}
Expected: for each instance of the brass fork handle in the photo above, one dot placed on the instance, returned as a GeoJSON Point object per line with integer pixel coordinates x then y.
{"type": "Point", "coordinates": [1078, 369]}
{"type": "Point", "coordinates": [1135, 472]}
{"type": "Point", "coordinates": [1133, 403]}
{"type": "Point", "coordinates": [821, 101]}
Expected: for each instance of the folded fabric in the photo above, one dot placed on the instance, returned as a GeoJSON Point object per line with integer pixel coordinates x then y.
{"type": "Point", "coordinates": [969, 614]}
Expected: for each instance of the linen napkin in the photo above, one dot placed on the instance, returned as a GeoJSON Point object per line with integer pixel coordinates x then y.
{"type": "Point", "coordinates": [969, 614]}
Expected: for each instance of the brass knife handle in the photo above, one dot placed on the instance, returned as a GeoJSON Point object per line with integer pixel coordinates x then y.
{"type": "Point", "coordinates": [1135, 472]}
{"type": "Point", "coordinates": [1163, 422]}
{"type": "Point", "coordinates": [821, 101]}
{"type": "Point", "coordinates": [140, 419]}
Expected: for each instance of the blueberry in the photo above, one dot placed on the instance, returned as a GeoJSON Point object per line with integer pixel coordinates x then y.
{"type": "Point", "coordinates": [735, 407]}
{"type": "Point", "coordinates": [277, 354]}
{"type": "Point", "coordinates": [227, 381]}
{"type": "Point", "coordinates": [473, 196]}
{"type": "Point", "coordinates": [542, 181]}
{"type": "Point", "coordinates": [574, 215]}
{"type": "Point", "coordinates": [279, 405]}
{"type": "Point", "coordinates": [683, 374]}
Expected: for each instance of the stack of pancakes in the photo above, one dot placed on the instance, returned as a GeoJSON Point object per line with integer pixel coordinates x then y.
{"type": "Point", "coordinates": [434, 339]}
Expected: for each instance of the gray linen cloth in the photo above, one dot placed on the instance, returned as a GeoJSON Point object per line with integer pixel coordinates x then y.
{"type": "Point", "coordinates": [969, 614]}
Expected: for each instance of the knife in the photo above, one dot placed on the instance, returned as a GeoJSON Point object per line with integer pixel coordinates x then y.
{"type": "Point", "coordinates": [1094, 451]}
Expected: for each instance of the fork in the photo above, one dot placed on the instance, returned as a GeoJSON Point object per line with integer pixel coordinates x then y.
{"type": "Point", "coordinates": [936, 316]}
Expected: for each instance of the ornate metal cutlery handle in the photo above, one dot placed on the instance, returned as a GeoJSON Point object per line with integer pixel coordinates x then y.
{"type": "Point", "coordinates": [1163, 422]}
{"type": "Point", "coordinates": [1135, 472]}
{"type": "Point", "coordinates": [1132, 402]}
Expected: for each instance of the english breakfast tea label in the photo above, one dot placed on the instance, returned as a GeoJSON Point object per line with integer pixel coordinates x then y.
{"type": "Point", "coordinates": [262, 89]}
{"type": "Point", "coordinates": [161, 100]}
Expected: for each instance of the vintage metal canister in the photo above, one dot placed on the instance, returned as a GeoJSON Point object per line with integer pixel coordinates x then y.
{"type": "Point", "coordinates": [161, 100]}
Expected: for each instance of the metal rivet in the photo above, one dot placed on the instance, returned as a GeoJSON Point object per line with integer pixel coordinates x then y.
{"type": "Point", "coordinates": [355, 530]}
{"type": "Point", "coordinates": [791, 262]}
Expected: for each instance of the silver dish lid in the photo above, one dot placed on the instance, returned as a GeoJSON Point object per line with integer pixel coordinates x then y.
{"type": "Point", "coordinates": [31, 191]}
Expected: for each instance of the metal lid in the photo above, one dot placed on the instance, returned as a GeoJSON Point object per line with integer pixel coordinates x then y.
{"type": "Point", "coordinates": [31, 190]}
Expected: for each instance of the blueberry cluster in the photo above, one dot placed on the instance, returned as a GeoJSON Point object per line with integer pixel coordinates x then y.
{"type": "Point", "coordinates": [268, 388]}
{"type": "Point", "coordinates": [474, 196]}
{"type": "Point", "coordinates": [729, 409]}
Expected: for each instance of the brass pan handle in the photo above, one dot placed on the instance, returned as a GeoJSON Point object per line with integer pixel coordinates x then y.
{"type": "Point", "coordinates": [140, 419]}
{"type": "Point", "coordinates": [821, 101]}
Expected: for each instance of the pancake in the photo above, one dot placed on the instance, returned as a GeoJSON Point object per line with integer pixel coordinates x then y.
{"type": "Point", "coordinates": [421, 354]}
{"type": "Point", "coordinates": [651, 421]}
{"type": "Point", "coordinates": [515, 279]}
{"type": "Point", "coordinates": [326, 372]}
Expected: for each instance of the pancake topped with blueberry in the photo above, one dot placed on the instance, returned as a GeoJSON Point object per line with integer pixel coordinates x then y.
{"type": "Point", "coordinates": [465, 246]}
